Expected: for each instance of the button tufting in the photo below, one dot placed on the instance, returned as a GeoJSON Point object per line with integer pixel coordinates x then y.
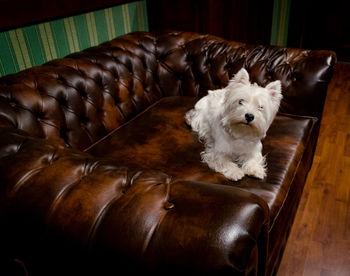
{"type": "Point", "coordinates": [83, 119]}
{"type": "Point", "coordinates": [109, 83]}
{"type": "Point", "coordinates": [39, 115]}
{"type": "Point", "coordinates": [63, 102]}
{"type": "Point", "coordinates": [168, 205]}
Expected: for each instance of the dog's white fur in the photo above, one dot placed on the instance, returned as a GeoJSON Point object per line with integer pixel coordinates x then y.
{"type": "Point", "coordinates": [231, 123]}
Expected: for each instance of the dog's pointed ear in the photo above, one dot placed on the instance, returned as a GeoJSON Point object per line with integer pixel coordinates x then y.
{"type": "Point", "coordinates": [275, 89]}
{"type": "Point", "coordinates": [241, 77]}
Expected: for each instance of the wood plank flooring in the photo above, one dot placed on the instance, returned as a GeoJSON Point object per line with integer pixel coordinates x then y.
{"type": "Point", "coordinates": [319, 242]}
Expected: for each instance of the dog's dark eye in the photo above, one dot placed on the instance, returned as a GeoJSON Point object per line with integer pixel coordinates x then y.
{"type": "Point", "coordinates": [260, 107]}
{"type": "Point", "coordinates": [240, 101]}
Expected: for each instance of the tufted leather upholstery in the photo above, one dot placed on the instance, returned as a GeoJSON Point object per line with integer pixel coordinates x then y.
{"type": "Point", "coordinates": [98, 168]}
{"type": "Point", "coordinates": [77, 100]}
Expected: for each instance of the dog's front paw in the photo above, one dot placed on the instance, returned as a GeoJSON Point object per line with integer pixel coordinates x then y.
{"type": "Point", "coordinates": [233, 173]}
{"type": "Point", "coordinates": [254, 169]}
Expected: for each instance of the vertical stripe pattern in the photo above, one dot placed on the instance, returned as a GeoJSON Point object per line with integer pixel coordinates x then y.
{"type": "Point", "coordinates": [91, 24]}
{"type": "Point", "coordinates": [34, 45]}
{"type": "Point", "coordinates": [71, 34]}
{"type": "Point", "coordinates": [110, 23]}
{"type": "Point", "coordinates": [47, 40]}
{"type": "Point", "coordinates": [126, 19]}
{"type": "Point", "coordinates": [280, 22]}
{"type": "Point", "coordinates": [20, 48]}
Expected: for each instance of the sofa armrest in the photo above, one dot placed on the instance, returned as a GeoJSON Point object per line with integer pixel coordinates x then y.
{"type": "Point", "coordinates": [63, 209]}
{"type": "Point", "coordinates": [192, 226]}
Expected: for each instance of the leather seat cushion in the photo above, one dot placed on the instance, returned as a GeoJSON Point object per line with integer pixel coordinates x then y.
{"type": "Point", "coordinates": [160, 139]}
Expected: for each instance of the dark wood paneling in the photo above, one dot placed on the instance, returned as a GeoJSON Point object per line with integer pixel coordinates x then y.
{"type": "Point", "coordinates": [19, 13]}
{"type": "Point", "coordinates": [322, 26]}
{"type": "Point", "coordinates": [241, 20]}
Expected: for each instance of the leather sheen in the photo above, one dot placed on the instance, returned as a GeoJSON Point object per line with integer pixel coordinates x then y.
{"type": "Point", "coordinates": [99, 170]}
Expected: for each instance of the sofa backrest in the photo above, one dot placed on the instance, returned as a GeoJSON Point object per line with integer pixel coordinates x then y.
{"type": "Point", "coordinates": [190, 64]}
{"type": "Point", "coordinates": [77, 100]}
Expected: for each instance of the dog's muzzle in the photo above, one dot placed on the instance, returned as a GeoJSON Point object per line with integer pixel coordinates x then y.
{"type": "Point", "coordinates": [249, 117]}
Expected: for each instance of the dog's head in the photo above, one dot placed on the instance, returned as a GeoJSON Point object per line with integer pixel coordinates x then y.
{"type": "Point", "coordinates": [249, 109]}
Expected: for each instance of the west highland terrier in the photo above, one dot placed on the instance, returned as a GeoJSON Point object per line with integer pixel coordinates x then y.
{"type": "Point", "coordinates": [231, 123]}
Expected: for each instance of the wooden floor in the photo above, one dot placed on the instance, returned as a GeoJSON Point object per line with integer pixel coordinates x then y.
{"type": "Point", "coordinates": [319, 243]}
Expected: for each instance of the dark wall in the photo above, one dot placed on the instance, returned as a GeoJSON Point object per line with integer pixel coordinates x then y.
{"type": "Point", "coordinates": [241, 20]}
{"type": "Point", "coordinates": [321, 25]}
{"type": "Point", "coordinates": [312, 24]}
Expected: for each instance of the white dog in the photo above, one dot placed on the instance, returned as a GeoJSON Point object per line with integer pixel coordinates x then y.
{"type": "Point", "coordinates": [231, 123]}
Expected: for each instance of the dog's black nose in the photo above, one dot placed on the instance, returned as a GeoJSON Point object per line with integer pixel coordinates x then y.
{"type": "Point", "coordinates": [249, 117]}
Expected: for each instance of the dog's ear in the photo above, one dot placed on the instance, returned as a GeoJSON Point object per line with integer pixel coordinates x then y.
{"type": "Point", "coordinates": [241, 77]}
{"type": "Point", "coordinates": [275, 90]}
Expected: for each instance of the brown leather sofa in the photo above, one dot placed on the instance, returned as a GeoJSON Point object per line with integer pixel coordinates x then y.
{"type": "Point", "coordinates": [100, 174]}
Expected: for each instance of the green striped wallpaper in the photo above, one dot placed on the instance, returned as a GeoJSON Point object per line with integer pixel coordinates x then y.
{"type": "Point", "coordinates": [34, 45]}
{"type": "Point", "coordinates": [280, 22]}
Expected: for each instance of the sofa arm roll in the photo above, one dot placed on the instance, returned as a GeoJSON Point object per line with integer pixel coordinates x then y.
{"type": "Point", "coordinates": [189, 226]}
{"type": "Point", "coordinates": [64, 212]}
